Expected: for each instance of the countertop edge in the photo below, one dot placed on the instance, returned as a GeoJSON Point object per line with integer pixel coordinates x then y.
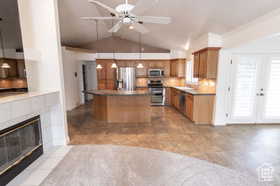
{"type": "Point", "coordinates": [117, 94]}
{"type": "Point", "coordinates": [193, 92]}
{"type": "Point", "coordinates": [23, 96]}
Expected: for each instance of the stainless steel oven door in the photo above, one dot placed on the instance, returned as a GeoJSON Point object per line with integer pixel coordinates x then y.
{"type": "Point", "coordinates": [157, 97]}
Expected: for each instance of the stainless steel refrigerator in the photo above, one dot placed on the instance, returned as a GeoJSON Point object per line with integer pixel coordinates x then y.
{"type": "Point", "coordinates": [126, 78]}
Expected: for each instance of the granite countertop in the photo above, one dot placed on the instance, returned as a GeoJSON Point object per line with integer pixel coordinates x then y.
{"type": "Point", "coordinates": [195, 91]}
{"type": "Point", "coordinates": [119, 92]}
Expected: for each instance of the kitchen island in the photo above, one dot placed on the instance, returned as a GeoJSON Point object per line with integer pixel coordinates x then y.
{"type": "Point", "coordinates": [117, 106]}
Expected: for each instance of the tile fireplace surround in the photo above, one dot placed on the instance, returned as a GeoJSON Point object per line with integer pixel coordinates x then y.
{"type": "Point", "coordinates": [21, 109]}
{"type": "Point", "coordinates": [20, 145]}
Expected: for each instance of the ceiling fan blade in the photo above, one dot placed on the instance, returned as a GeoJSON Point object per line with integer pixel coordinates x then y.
{"type": "Point", "coordinates": [143, 5]}
{"type": "Point", "coordinates": [116, 27]}
{"type": "Point", "coordinates": [112, 10]}
{"type": "Point", "coordinates": [156, 20]}
{"type": "Point", "coordinates": [140, 28]}
{"type": "Point", "coordinates": [99, 18]}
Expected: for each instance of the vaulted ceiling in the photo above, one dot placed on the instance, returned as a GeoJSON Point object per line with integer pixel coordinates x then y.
{"type": "Point", "coordinates": [10, 24]}
{"type": "Point", "coordinates": [190, 19]}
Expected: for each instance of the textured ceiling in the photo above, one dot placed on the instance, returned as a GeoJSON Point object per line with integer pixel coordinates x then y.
{"type": "Point", "coordinates": [190, 19]}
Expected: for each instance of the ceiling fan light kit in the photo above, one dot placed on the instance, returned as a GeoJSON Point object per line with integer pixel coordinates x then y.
{"type": "Point", "coordinates": [122, 8]}
{"type": "Point", "coordinates": [127, 14]}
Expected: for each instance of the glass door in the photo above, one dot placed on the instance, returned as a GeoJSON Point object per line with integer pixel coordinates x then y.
{"type": "Point", "coordinates": [255, 89]}
{"type": "Point", "coordinates": [269, 95]}
{"type": "Point", "coordinates": [243, 89]}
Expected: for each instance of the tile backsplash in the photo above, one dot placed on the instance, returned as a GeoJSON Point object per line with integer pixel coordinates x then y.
{"type": "Point", "coordinates": [204, 84]}
{"type": "Point", "coordinates": [143, 82]}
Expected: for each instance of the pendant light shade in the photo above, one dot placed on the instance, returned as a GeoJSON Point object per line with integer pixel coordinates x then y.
{"type": "Point", "coordinates": [5, 65]}
{"type": "Point", "coordinates": [114, 65]}
{"type": "Point", "coordinates": [99, 66]}
{"type": "Point", "coordinates": [140, 65]}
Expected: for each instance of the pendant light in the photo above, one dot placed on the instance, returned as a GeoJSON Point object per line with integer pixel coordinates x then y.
{"type": "Point", "coordinates": [98, 66]}
{"type": "Point", "coordinates": [114, 65]}
{"type": "Point", "coordinates": [140, 65]}
{"type": "Point", "coordinates": [4, 64]}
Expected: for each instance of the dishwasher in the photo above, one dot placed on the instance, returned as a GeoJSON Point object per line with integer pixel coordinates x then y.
{"type": "Point", "coordinates": [182, 102]}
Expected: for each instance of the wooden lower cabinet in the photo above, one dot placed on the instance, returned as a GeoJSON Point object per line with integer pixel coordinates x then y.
{"type": "Point", "coordinates": [175, 98]}
{"type": "Point", "coordinates": [167, 96]}
{"type": "Point", "coordinates": [198, 108]}
{"type": "Point", "coordinates": [203, 106]}
{"type": "Point", "coordinates": [189, 106]}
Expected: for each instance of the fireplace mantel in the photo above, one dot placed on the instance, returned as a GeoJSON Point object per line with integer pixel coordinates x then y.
{"type": "Point", "coordinates": [18, 108]}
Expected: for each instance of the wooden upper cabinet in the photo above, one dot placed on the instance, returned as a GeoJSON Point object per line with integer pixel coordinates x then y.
{"type": "Point", "coordinates": [106, 76]}
{"type": "Point", "coordinates": [142, 72]}
{"type": "Point", "coordinates": [202, 71]}
{"type": "Point", "coordinates": [196, 65]}
{"type": "Point", "coordinates": [206, 63]}
{"type": "Point", "coordinates": [101, 73]}
{"type": "Point", "coordinates": [111, 73]}
{"type": "Point", "coordinates": [178, 68]}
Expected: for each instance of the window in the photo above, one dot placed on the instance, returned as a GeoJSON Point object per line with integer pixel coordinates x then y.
{"type": "Point", "coordinates": [189, 73]}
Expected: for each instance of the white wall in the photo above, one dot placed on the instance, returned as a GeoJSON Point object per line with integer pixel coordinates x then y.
{"type": "Point", "coordinates": [72, 63]}
{"type": "Point", "coordinates": [41, 43]}
{"type": "Point", "coordinates": [265, 46]}
{"type": "Point", "coordinates": [249, 38]}
{"type": "Point", "coordinates": [222, 84]}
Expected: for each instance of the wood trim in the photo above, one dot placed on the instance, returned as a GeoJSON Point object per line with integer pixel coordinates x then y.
{"type": "Point", "coordinates": [207, 48]}
{"type": "Point", "coordinates": [178, 59]}
{"type": "Point", "coordinates": [83, 50]}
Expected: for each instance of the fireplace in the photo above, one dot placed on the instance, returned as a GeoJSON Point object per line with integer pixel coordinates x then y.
{"type": "Point", "coordinates": [20, 145]}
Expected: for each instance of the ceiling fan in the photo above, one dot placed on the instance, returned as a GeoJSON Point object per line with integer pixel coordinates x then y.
{"type": "Point", "coordinates": [126, 14]}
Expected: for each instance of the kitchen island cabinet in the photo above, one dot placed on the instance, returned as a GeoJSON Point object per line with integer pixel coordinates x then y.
{"type": "Point", "coordinates": [115, 106]}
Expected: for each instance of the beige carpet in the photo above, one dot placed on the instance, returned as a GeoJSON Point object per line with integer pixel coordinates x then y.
{"type": "Point", "coordinates": [108, 165]}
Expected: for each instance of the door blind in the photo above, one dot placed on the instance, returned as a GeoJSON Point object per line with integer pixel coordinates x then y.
{"type": "Point", "coordinates": [245, 89]}
{"type": "Point", "coordinates": [272, 107]}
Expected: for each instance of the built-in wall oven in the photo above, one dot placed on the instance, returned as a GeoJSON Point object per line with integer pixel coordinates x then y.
{"type": "Point", "coordinates": [158, 92]}
{"type": "Point", "coordinates": [156, 73]}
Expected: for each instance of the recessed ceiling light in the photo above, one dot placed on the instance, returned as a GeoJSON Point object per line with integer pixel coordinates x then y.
{"type": "Point", "coordinates": [131, 27]}
{"type": "Point", "coordinates": [124, 8]}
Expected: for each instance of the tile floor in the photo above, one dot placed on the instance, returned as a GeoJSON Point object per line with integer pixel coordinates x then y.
{"type": "Point", "coordinates": [240, 147]}
{"type": "Point", "coordinates": [40, 169]}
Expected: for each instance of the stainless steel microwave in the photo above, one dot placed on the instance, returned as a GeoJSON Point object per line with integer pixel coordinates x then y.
{"type": "Point", "coordinates": [155, 73]}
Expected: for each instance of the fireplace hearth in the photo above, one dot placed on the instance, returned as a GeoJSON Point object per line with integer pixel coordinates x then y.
{"type": "Point", "coordinates": [20, 145]}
